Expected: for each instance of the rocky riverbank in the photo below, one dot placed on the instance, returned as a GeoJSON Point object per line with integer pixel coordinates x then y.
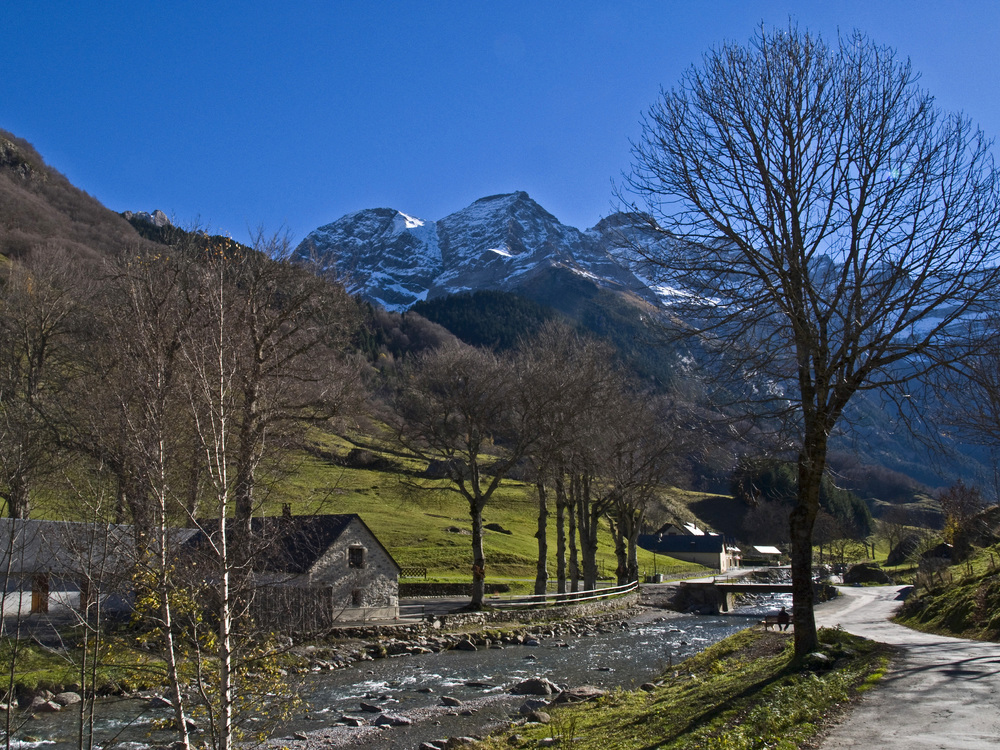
{"type": "Point", "coordinates": [351, 645]}
{"type": "Point", "coordinates": [377, 723]}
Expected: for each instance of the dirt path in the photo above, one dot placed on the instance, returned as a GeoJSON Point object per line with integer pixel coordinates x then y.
{"type": "Point", "coordinates": [943, 693]}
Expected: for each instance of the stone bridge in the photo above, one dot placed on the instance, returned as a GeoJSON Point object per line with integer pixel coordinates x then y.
{"type": "Point", "coordinates": [720, 596]}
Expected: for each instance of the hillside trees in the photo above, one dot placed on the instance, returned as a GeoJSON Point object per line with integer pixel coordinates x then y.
{"type": "Point", "coordinates": [591, 438]}
{"type": "Point", "coordinates": [644, 442]}
{"type": "Point", "coordinates": [832, 226]}
{"type": "Point", "coordinates": [40, 299]}
{"type": "Point", "coordinates": [209, 361]}
{"type": "Point", "coordinates": [453, 409]}
{"type": "Point", "coordinates": [564, 381]}
{"type": "Point", "coordinates": [287, 329]}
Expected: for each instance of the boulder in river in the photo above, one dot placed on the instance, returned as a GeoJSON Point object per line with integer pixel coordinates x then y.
{"type": "Point", "coordinates": [535, 686]}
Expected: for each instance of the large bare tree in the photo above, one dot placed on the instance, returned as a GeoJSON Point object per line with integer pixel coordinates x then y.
{"type": "Point", "coordinates": [455, 408]}
{"type": "Point", "coordinates": [823, 226]}
{"type": "Point", "coordinates": [564, 381]}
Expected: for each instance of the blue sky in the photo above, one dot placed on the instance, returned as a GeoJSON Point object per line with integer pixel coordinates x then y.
{"type": "Point", "coordinates": [235, 115]}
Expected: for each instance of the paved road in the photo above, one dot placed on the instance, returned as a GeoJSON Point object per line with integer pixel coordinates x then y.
{"type": "Point", "coordinates": [943, 692]}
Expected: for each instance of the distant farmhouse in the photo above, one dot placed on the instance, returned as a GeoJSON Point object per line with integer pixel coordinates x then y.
{"type": "Point", "coordinates": [309, 572]}
{"type": "Point", "coordinates": [689, 543]}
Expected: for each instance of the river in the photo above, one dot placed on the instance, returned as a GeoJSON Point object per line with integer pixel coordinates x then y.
{"type": "Point", "coordinates": [412, 686]}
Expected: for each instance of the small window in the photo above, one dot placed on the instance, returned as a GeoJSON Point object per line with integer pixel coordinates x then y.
{"type": "Point", "coordinates": [357, 597]}
{"type": "Point", "coordinates": [356, 557]}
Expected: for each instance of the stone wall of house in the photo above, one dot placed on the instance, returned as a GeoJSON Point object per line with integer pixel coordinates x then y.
{"type": "Point", "coordinates": [374, 585]}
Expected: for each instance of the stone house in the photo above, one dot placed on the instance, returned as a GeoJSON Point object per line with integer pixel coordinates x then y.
{"type": "Point", "coordinates": [312, 572]}
{"type": "Point", "coordinates": [65, 563]}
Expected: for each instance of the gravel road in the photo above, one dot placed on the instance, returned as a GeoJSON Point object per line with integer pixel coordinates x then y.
{"type": "Point", "coordinates": [943, 692]}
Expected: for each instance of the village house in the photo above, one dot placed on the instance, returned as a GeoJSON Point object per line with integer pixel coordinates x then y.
{"type": "Point", "coordinates": [309, 572]}
{"type": "Point", "coordinates": [689, 543]}
{"type": "Point", "coordinates": [312, 572]}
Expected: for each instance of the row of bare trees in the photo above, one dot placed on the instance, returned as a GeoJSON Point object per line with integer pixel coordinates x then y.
{"type": "Point", "coordinates": [177, 378]}
{"type": "Point", "coordinates": [561, 414]}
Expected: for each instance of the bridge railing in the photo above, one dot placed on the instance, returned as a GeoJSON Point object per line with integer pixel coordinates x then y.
{"type": "Point", "coordinates": [570, 597]}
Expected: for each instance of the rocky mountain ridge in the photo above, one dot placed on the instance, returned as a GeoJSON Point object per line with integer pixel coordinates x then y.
{"type": "Point", "coordinates": [498, 242]}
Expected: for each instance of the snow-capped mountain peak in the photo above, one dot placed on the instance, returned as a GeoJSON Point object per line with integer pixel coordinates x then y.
{"type": "Point", "coordinates": [497, 242]}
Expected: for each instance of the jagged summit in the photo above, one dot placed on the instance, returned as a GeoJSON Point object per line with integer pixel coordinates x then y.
{"type": "Point", "coordinates": [157, 218]}
{"type": "Point", "coordinates": [497, 242]}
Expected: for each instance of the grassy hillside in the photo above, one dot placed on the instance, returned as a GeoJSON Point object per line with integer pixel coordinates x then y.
{"type": "Point", "coordinates": [421, 522]}
{"type": "Point", "coordinates": [961, 600]}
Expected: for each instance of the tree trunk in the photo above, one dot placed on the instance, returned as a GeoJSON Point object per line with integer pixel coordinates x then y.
{"type": "Point", "coordinates": [574, 555]}
{"type": "Point", "coordinates": [541, 569]}
{"type": "Point", "coordinates": [587, 521]}
{"type": "Point", "coordinates": [633, 557]}
{"type": "Point", "coordinates": [811, 465]}
{"type": "Point", "coordinates": [561, 534]}
{"type": "Point", "coordinates": [17, 497]}
{"type": "Point", "coordinates": [618, 531]}
{"type": "Point", "coordinates": [478, 557]}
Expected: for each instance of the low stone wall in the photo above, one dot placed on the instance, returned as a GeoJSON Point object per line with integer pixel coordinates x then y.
{"type": "Point", "coordinates": [539, 614]}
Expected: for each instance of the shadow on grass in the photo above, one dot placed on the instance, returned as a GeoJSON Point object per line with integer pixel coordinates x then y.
{"type": "Point", "coordinates": [722, 707]}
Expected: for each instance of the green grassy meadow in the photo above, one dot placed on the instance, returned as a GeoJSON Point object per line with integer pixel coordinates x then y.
{"type": "Point", "coordinates": [412, 516]}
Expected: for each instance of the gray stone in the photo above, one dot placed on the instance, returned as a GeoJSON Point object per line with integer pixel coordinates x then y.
{"type": "Point", "coordinates": [67, 698]}
{"type": "Point", "coordinates": [579, 694]}
{"type": "Point", "coordinates": [539, 717]}
{"type": "Point", "coordinates": [41, 706]}
{"type": "Point", "coordinates": [535, 686]}
{"type": "Point", "coordinates": [532, 704]}
{"type": "Point", "coordinates": [392, 720]}
{"type": "Point", "coordinates": [447, 700]}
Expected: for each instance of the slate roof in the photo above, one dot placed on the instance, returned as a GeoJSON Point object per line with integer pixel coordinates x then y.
{"type": "Point", "coordinates": [292, 544]}
{"type": "Point", "coordinates": [67, 548]}
{"type": "Point", "coordinates": [669, 543]}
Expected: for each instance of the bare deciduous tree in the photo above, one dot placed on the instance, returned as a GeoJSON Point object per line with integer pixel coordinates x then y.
{"type": "Point", "coordinates": [454, 409]}
{"type": "Point", "coordinates": [562, 378]}
{"type": "Point", "coordinates": [829, 227]}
